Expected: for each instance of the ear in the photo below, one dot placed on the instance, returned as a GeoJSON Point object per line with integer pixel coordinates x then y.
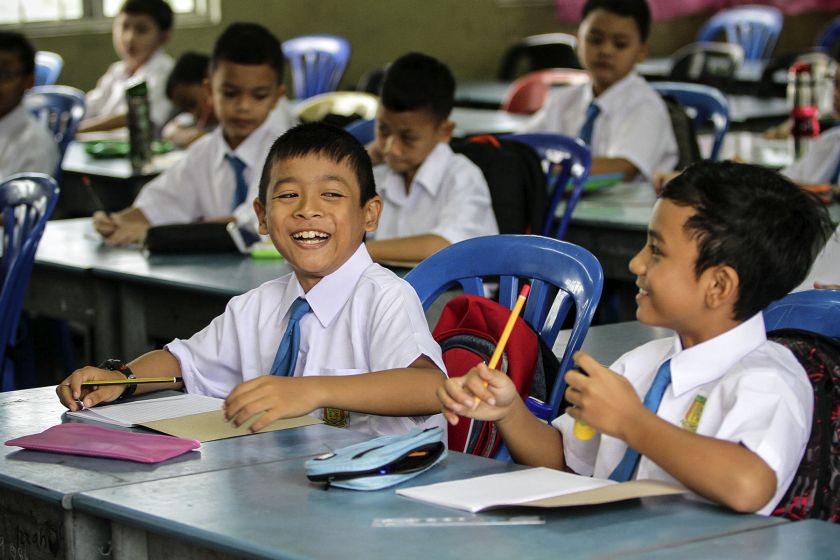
{"type": "Point", "coordinates": [373, 208]}
{"type": "Point", "coordinates": [723, 287]}
{"type": "Point", "coordinates": [259, 209]}
{"type": "Point", "coordinates": [445, 130]}
{"type": "Point", "coordinates": [165, 36]}
{"type": "Point", "coordinates": [29, 81]}
{"type": "Point", "coordinates": [644, 51]}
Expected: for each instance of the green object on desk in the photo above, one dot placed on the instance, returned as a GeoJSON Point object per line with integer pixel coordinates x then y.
{"type": "Point", "coordinates": [107, 149]}
{"type": "Point", "coordinates": [597, 182]}
{"type": "Point", "coordinates": [265, 250]}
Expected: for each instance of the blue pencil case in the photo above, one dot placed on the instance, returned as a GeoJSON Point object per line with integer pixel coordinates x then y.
{"type": "Point", "coordinates": [381, 462]}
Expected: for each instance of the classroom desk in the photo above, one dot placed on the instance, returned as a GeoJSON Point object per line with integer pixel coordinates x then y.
{"type": "Point", "coordinates": [469, 121]}
{"type": "Point", "coordinates": [36, 488]}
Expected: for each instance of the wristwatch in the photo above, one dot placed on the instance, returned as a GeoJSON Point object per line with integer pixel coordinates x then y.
{"type": "Point", "coordinates": [118, 365]}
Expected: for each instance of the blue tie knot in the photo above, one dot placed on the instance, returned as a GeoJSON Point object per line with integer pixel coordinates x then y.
{"type": "Point", "coordinates": [241, 191]}
{"type": "Point", "coordinates": [300, 307]}
{"type": "Point", "coordinates": [592, 112]}
{"type": "Point", "coordinates": [286, 358]}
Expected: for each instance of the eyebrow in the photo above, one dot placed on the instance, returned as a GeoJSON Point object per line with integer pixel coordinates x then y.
{"type": "Point", "coordinates": [320, 179]}
{"type": "Point", "coordinates": [655, 235]}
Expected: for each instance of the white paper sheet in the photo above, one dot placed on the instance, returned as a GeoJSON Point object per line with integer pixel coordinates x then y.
{"type": "Point", "coordinates": [149, 410]}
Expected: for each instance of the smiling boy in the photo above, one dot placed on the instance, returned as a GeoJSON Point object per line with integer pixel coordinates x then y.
{"type": "Point", "coordinates": [365, 358]}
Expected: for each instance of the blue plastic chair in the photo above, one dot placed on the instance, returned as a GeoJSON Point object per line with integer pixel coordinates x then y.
{"type": "Point", "coordinates": [812, 310]}
{"type": "Point", "coordinates": [706, 104]}
{"type": "Point", "coordinates": [567, 159]}
{"type": "Point", "coordinates": [48, 67]}
{"type": "Point", "coordinates": [561, 275]}
{"type": "Point", "coordinates": [26, 200]}
{"type": "Point", "coordinates": [755, 28]}
{"type": "Point", "coordinates": [318, 62]}
{"type": "Point", "coordinates": [61, 108]}
{"type": "Point", "coordinates": [363, 130]}
{"type": "Point", "coordinates": [828, 39]}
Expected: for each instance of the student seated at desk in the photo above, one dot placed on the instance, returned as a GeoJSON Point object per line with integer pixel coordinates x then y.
{"type": "Point", "coordinates": [218, 176]}
{"type": "Point", "coordinates": [431, 196]}
{"type": "Point", "coordinates": [340, 336]}
{"type": "Point", "coordinates": [618, 114]}
{"type": "Point", "coordinates": [191, 100]}
{"type": "Point", "coordinates": [25, 143]}
{"type": "Point", "coordinates": [725, 240]}
{"type": "Point", "coordinates": [140, 31]}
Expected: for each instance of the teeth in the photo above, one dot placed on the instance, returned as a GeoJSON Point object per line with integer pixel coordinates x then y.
{"type": "Point", "coordinates": [310, 235]}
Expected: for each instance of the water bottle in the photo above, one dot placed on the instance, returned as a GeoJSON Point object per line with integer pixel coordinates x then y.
{"type": "Point", "coordinates": [804, 113]}
{"type": "Point", "coordinates": [140, 129]}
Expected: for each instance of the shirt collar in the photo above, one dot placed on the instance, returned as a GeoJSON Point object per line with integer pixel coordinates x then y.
{"type": "Point", "coordinates": [332, 292]}
{"type": "Point", "coordinates": [614, 99]}
{"type": "Point", "coordinates": [251, 150]}
{"type": "Point", "coordinates": [428, 175]}
{"type": "Point", "coordinates": [709, 360]}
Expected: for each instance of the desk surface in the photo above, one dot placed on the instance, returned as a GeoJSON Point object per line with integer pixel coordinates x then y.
{"type": "Point", "coordinates": [77, 160]}
{"type": "Point", "coordinates": [272, 511]}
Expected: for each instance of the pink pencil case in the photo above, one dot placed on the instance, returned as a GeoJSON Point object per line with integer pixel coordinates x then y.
{"type": "Point", "coordinates": [86, 439]}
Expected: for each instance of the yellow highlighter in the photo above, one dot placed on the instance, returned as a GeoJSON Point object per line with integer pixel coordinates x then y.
{"type": "Point", "coordinates": [583, 430]}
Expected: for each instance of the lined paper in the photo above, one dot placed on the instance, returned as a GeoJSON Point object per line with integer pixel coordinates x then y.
{"type": "Point", "coordinates": [138, 412]}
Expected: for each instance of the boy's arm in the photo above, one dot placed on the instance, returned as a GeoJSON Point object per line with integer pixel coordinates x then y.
{"type": "Point", "coordinates": [397, 392]}
{"type": "Point", "coordinates": [158, 363]}
{"type": "Point", "coordinates": [123, 227]}
{"type": "Point", "coordinates": [408, 249]}
{"type": "Point", "coordinates": [604, 166]}
{"type": "Point", "coordinates": [719, 470]}
{"type": "Point", "coordinates": [104, 122]}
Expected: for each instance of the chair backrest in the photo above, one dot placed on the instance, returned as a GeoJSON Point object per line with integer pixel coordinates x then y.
{"type": "Point", "coordinates": [811, 310]}
{"type": "Point", "coordinates": [714, 64]}
{"type": "Point", "coordinates": [26, 202]}
{"type": "Point", "coordinates": [829, 40]}
{"type": "Point", "coordinates": [527, 94]}
{"type": "Point", "coordinates": [61, 108]}
{"type": "Point", "coordinates": [548, 50]}
{"type": "Point", "coordinates": [364, 130]}
{"type": "Point", "coordinates": [755, 28]}
{"type": "Point", "coordinates": [318, 62]}
{"type": "Point", "coordinates": [561, 275]}
{"type": "Point", "coordinates": [564, 159]}
{"type": "Point", "coordinates": [48, 67]}
{"type": "Point", "coordinates": [706, 104]}
{"type": "Point", "coordinates": [343, 103]}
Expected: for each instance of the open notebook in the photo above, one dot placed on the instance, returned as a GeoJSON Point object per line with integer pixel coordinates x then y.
{"type": "Point", "coordinates": [188, 416]}
{"type": "Point", "coordinates": [538, 487]}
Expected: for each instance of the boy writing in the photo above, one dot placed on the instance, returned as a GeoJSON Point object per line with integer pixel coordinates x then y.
{"type": "Point", "coordinates": [618, 114]}
{"type": "Point", "coordinates": [25, 143]}
{"type": "Point", "coordinates": [190, 100]}
{"type": "Point", "coordinates": [140, 31]}
{"type": "Point", "coordinates": [431, 196]}
{"type": "Point", "coordinates": [339, 333]}
{"type": "Point", "coordinates": [726, 412]}
{"type": "Point", "coordinates": [218, 177]}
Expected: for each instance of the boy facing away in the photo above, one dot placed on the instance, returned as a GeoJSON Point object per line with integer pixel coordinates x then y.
{"type": "Point", "coordinates": [431, 196]}
{"type": "Point", "coordinates": [140, 31]}
{"type": "Point", "coordinates": [365, 356]}
{"type": "Point", "coordinates": [25, 143]}
{"type": "Point", "coordinates": [724, 240]}
{"type": "Point", "coordinates": [622, 119]}
{"type": "Point", "coordinates": [218, 177]}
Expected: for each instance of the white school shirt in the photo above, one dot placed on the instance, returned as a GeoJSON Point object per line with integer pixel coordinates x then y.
{"type": "Point", "coordinates": [283, 116]}
{"type": "Point", "coordinates": [633, 123]}
{"type": "Point", "coordinates": [364, 318]}
{"type": "Point", "coordinates": [757, 394]}
{"type": "Point", "coordinates": [826, 267]}
{"type": "Point", "coordinates": [819, 162]}
{"type": "Point", "coordinates": [108, 97]}
{"type": "Point", "coordinates": [26, 145]}
{"type": "Point", "coordinates": [202, 184]}
{"type": "Point", "coordinates": [449, 197]}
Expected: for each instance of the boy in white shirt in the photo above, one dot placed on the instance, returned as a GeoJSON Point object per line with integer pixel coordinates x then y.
{"type": "Point", "coordinates": [365, 358]}
{"type": "Point", "coordinates": [618, 114]}
{"type": "Point", "coordinates": [219, 176]}
{"type": "Point", "coordinates": [140, 31]}
{"type": "Point", "coordinates": [25, 143]}
{"type": "Point", "coordinates": [726, 412]}
{"type": "Point", "coordinates": [431, 196]}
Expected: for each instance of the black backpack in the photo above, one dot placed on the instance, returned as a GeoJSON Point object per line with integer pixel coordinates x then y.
{"type": "Point", "coordinates": [814, 492]}
{"type": "Point", "coordinates": [517, 183]}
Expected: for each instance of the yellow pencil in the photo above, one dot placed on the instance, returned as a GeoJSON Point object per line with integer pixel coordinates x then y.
{"type": "Point", "coordinates": [131, 381]}
{"type": "Point", "coordinates": [517, 309]}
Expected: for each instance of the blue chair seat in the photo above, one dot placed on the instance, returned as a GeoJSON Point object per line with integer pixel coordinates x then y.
{"type": "Point", "coordinates": [61, 109]}
{"type": "Point", "coordinates": [811, 310]}
{"type": "Point", "coordinates": [755, 28]}
{"type": "Point", "coordinates": [317, 61]}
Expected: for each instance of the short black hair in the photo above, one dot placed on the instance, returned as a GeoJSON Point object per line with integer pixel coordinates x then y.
{"type": "Point", "coordinates": [158, 10]}
{"type": "Point", "coordinates": [324, 140]}
{"type": "Point", "coordinates": [416, 81]}
{"type": "Point", "coordinates": [18, 43]}
{"type": "Point", "coordinates": [756, 221]}
{"type": "Point", "coordinates": [190, 68]}
{"type": "Point", "coordinates": [248, 43]}
{"type": "Point", "coordinates": [636, 9]}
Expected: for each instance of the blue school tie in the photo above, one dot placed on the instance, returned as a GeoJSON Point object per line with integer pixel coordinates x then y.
{"type": "Point", "coordinates": [241, 192]}
{"type": "Point", "coordinates": [286, 357]}
{"type": "Point", "coordinates": [625, 468]}
{"type": "Point", "coordinates": [592, 113]}
{"type": "Point", "coordinates": [836, 173]}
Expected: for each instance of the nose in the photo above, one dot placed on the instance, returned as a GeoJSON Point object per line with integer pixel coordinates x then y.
{"type": "Point", "coordinates": [636, 264]}
{"type": "Point", "coordinates": [389, 146]}
{"type": "Point", "coordinates": [308, 207]}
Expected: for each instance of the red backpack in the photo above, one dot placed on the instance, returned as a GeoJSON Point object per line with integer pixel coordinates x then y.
{"type": "Point", "coordinates": [467, 331]}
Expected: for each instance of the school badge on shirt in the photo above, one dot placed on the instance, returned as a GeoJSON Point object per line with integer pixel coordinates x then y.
{"type": "Point", "coordinates": [336, 417]}
{"type": "Point", "coordinates": [695, 411]}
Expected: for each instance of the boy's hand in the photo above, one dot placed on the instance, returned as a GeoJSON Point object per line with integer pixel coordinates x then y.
{"type": "Point", "coordinates": [482, 393]}
{"type": "Point", "coordinates": [127, 232]}
{"type": "Point", "coordinates": [103, 223]}
{"type": "Point", "coordinates": [821, 286]}
{"type": "Point", "coordinates": [277, 397]}
{"type": "Point", "coordinates": [601, 398]}
{"type": "Point", "coordinates": [72, 395]}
